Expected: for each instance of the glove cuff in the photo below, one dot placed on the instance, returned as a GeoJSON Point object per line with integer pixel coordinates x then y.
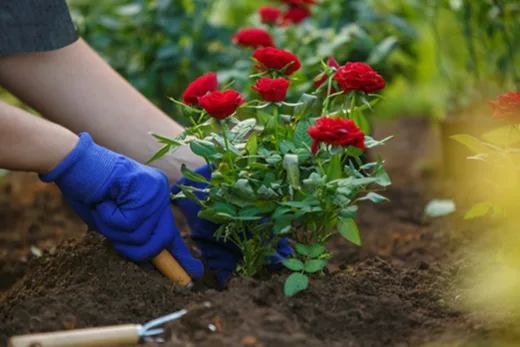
{"type": "Point", "coordinates": [84, 170]}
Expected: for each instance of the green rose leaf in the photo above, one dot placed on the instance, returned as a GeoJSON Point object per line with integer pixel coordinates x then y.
{"type": "Point", "coordinates": [280, 211]}
{"type": "Point", "coordinates": [252, 145]}
{"type": "Point", "coordinates": [479, 210]}
{"type": "Point", "coordinates": [192, 176]}
{"type": "Point", "coordinates": [224, 207]}
{"type": "Point", "coordinates": [244, 189]}
{"type": "Point", "coordinates": [240, 130]}
{"type": "Point", "coordinates": [347, 228]}
{"type": "Point", "coordinates": [273, 159]}
{"type": "Point", "coordinates": [160, 153]}
{"type": "Point", "coordinates": [315, 251]}
{"type": "Point", "coordinates": [348, 212]}
{"type": "Point", "coordinates": [301, 137]}
{"type": "Point", "coordinates": [374, 197]}
{"type": "Point", "coordinates": [315, 180]}
{"type": "Point", "coordinates": [360, 120]}
{"type": "Point", "coordinates": [380, 174]}
{"type": "Point", "coordinates": [301, 249]}
{"type": "Point", "coordinates": [293, 264]}
{"type": "Point", "coordinates": [305, 105]}
{"type": "Point", "coordinates": [187, 191]}
{"type": "Point", "coordinates": [290, 164]}
{"type": "Point", "coordinates": [372, 143]}
{"type": "Point", "coordinates": [314, 265]}
{"type": "Point", "coordinates": [266, 193]}
{"type": "Point", "coordinates": [212, 215]}
{"type": "Point", "coordinates": [475, 145]}
{"type": "Point", "coordinates": [504, 136]}
{"type": "Point", "coordinates": [334, 168]}
{"type": "Point", "coordinates": [203, 148]}
{"type": "Point", "coordinates": [249, 211]}
{"type": "Point", "coordinates": [283, 225]}
{"type": "Point", "coordinates": [295, 283]}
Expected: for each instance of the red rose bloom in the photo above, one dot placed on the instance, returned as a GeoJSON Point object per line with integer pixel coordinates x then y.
{"type": "Point", "coordinates": [273, 90]}
{"type": "Point", "coordinates": [269, 14]}
{"type": "Point", "coordinates": [276, 59]}
{"type": "Point", "coordinates": [200, 87]}
{"type": "Point", "coordinates": [322, 77]}
{"type": "Point", "coordinates": [221, 105]}
{"type": "Point", "coordinates": [252, 37]}
{"type": "Point", "coordinates": [507, 107]}
{"type": "Point", "coordinates": [337, 132]}
{"type": "Point", "coordinates": [295, 14]}
{"type": "Point", "coordinates": [358, 76]}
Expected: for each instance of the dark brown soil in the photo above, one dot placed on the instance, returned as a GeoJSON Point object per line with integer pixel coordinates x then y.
{"type": "Point", "coordinates": [32, 214]}
{"type": "Point", "coordinates": [397, 290]}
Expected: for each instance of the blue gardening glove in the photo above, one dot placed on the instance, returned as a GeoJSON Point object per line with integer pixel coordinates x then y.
{"type": "Point", "coordinates": [127, 202]}
{"type": "Point", "coordinates": [222, 257]}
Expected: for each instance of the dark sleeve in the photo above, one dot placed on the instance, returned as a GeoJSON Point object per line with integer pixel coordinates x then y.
{"type": "Point", "coordinates": [30, 26]}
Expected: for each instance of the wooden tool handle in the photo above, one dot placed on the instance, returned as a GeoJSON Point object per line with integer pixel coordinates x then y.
{"type": "Point", "coordinates": [105, 336]}
{"type": "Point", "coordinates": [170, 268]}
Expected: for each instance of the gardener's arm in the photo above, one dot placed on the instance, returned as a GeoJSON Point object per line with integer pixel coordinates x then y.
{"type": "Point", "coordinates": [127, 202]}
{"type": "Point", "coordinates": [29, 143]}
{"type": "Point", "coordinates": [74, 87]}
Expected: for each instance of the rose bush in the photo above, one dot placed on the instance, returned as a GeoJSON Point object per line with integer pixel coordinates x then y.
{"type": "Point", "coordinates": [307, 27]}
{"type": "Point", "coordinates": [281, 169]}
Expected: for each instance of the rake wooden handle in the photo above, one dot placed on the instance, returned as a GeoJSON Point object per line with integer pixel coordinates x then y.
{"type": "Point", "coordinates": [90, 337]}
{"type": "Point", "coordinates": [170, 268]}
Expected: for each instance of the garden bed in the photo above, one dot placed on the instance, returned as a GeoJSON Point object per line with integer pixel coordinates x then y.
{"type": "Point", "coordinates": [395, 291]}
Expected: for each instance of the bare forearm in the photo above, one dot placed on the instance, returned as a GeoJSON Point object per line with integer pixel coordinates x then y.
{"type": "Point", "coordinates": [29, 143]}
{"type": "Point", "coordinates": [74, 87]}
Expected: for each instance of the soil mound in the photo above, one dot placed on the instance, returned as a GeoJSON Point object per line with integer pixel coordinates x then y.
{"type": "Point", "coordinates": [86, 283]}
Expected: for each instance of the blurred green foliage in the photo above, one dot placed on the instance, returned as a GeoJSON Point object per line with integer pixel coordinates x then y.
{"type": "Point", "coordinates": [157, 45]}
{"type": "Point", "coordinates": [160, 46]}
{"type": "Point", "coordinates": [481, 60]}
{"type": "Point", "coordinates": [469, 51]}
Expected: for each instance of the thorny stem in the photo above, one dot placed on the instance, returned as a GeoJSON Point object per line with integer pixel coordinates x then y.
{"type": "Point", "coordinates": [276, 125]}
{"type": "Point", "coordinates": [226, 143]}
{"type": "Point", "coordinates": [318, 161]}
{"type": "Point", "coordinates": [352, 105]}
{"type": "Point", "coordinates": [327, 99]}
{"type": "Point", "coordinates": [344, 159]}
{"type": "Point", "coordinates": [201, 134]}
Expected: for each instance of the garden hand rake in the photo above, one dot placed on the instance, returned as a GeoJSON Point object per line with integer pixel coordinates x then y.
{"type": "Point", "coordinates": [104, 336]}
